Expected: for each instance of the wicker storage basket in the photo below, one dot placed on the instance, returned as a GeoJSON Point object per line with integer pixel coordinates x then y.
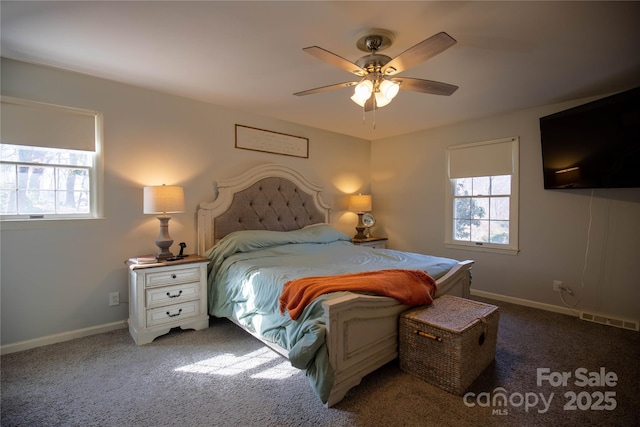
{"type": "Point", "coordinates": [450, 342]}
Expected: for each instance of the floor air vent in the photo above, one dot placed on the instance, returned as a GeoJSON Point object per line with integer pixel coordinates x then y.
{"type": "Point", "coordinates": [618, 323]}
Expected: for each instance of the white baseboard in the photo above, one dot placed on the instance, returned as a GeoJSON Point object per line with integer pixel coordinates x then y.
{"type": "Point", "coordinates": [65, 336]}
{"type": "Point", "coordinates": [79, 333]}
{"type": "Point", "coordinates": [526, 303]}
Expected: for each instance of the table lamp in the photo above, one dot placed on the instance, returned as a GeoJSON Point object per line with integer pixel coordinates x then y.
{"type": "Point", "coordinates": [163, 200]}
{"type": "Point", "coordinates": [360, 204]}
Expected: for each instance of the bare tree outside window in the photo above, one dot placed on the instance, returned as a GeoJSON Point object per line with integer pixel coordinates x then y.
{"type": "Point", "coordinates": [481, 209]}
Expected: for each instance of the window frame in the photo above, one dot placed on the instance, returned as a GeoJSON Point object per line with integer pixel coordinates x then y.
{"type": "Point", "coordinates": [514, 200]}
{"type": "Point", "coordinates": [96, 171]}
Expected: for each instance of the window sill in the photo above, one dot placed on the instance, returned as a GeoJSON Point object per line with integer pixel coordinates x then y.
{"type": "Point", "coordinates": [482, 248]}
{"type": "Point", "coordinates": [30, 224]}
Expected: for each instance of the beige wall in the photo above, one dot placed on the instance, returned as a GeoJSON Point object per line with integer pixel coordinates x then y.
{"type": "Point", "coordinates": [408, 187]}
{"type": "Point", "coordinates": [55, 277]}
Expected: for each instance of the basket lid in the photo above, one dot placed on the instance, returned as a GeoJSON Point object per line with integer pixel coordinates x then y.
{"type": "Point", "coordinates": [452, 313]}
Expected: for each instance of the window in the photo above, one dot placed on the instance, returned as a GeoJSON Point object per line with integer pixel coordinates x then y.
{"type": "Point", "coordinates": [482, 196]}
{"type": "Point", "coordinates": [50, 163]}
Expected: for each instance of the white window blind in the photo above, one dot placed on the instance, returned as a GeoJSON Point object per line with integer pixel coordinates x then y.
{"type": "Point", "coordinates": [488, 158]}
{"type": "Point", "coordinates": [481, 209]}
{"type": "Point", "coordinates": [43, 125]}
{"type": "Point", "coordinates": [51, 164]}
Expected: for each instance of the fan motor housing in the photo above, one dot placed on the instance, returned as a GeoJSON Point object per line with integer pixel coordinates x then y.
{"type": "Point", "coordinates": [373, 62]}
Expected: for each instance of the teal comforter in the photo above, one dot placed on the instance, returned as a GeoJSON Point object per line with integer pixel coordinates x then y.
{"type": "Point", "coordinates": [248, 270]}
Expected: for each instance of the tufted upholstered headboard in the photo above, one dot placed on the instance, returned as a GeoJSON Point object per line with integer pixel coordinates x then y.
{"type": "Point", "coordinates": [268, 197]}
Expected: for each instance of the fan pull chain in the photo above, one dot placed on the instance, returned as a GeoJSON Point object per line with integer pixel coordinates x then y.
{"type": "Point", "coordinates": [364, 116]}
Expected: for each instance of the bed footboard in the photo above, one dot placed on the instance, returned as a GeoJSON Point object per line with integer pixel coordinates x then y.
{"type": "Point", "coordinates": [362, 335]}
{"type": "Point", "coordinates": [362, 330]}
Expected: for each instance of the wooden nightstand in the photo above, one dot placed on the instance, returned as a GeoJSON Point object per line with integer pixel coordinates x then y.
{"type": "Point", "coordinates": [167, 295]}
{"type": "Point", "coordinates": [372, 242]}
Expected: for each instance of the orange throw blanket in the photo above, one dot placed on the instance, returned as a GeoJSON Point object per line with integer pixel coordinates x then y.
{"type": "Point", "coordinates": [409, 287]}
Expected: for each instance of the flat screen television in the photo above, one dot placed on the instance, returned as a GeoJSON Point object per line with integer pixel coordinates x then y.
{"type": "Point", "coordinates": [595, 145]}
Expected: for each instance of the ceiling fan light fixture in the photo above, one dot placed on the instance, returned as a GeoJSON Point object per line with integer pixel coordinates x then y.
{"type": "Point", "coordinates": [363, 90]}
{"type": "Point", "coordinates": [381, 100]}
{"type": "Point", "coordinates": [389, 89]}
{"type": "Point", "coordinates": [358, 101]}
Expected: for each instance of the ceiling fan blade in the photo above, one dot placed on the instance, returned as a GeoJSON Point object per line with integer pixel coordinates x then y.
{"type": "Point", "coordinates": [419, 53]}
{"type": "Point", "coordinates": [336, 60]}
{"type": "Point", "coordinates": [425, 86]}
{"type": "Point", "coordinates": [325, 88]}
{"type": "Point", "coordinates": [370, 104]}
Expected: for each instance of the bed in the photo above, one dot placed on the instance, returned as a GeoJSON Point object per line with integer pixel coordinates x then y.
{"type": "Point", "coordinates": [270, 225]}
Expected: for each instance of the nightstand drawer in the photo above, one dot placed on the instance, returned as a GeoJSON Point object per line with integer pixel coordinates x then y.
{"type": "Point", "coordinates": [172, 313]}
{"type": "Point", "coordinates": [172, 276]}
{"type": "Point", "coordinates": [172, 294]}
{"type": "Point", "coordinates": [372, 242]}
{"type": "Point", "coordinates": [375, 245]}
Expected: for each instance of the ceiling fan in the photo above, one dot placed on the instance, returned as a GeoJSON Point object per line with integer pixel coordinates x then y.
{"type": "Point", "coordinates": [376, 87]}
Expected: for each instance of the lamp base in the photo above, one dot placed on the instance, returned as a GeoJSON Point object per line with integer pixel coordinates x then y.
{"type": "Point", "coordinates": [360, 233]}
{"type": "Point", "coordinates": [360, 228]}
{"type": "Point", "coordinates": [164, 252]}
{"type": "Point", "coordinates": [164, 241]}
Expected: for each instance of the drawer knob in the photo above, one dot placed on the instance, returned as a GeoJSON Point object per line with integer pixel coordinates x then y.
{"type": "Point", "coordinates": [173, 276]}
{"type": "Point", "coordinates": [174, 315]}
{"type": "Point", "coordinates": [174, 296]}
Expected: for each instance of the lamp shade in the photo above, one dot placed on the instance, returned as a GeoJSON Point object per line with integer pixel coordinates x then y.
{"type": "Point", "coordinates": [363, 89]}
{"type": "Point", "coordinates": [362, 92]}
{"type": "Point", "coordinates": [389, 89]}
{"type": "Point", "coordinates": [360, 203]}
{"type": "Point", "coordinates": [163, 199]}
{"type": "Point", "coordinates": [381, 100]}
{"type": "Point", "coordinates": [358, 101]}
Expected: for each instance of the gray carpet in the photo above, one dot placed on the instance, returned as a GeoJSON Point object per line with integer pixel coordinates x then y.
{"type": "Point", "coordinates": [222, 377]}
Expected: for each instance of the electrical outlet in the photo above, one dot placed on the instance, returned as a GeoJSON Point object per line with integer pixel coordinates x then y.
{"type": "Point", "coordinates": [114, 298]}
{"type": "Point", "coordinates": [557, 285]}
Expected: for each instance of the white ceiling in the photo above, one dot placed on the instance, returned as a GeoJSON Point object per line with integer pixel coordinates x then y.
{"type": "Point", "coordinates": [248, 55]}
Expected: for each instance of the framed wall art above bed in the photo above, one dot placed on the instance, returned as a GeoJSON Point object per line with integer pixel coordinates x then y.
{"type": "Point", "coordinates": [249, 138]}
